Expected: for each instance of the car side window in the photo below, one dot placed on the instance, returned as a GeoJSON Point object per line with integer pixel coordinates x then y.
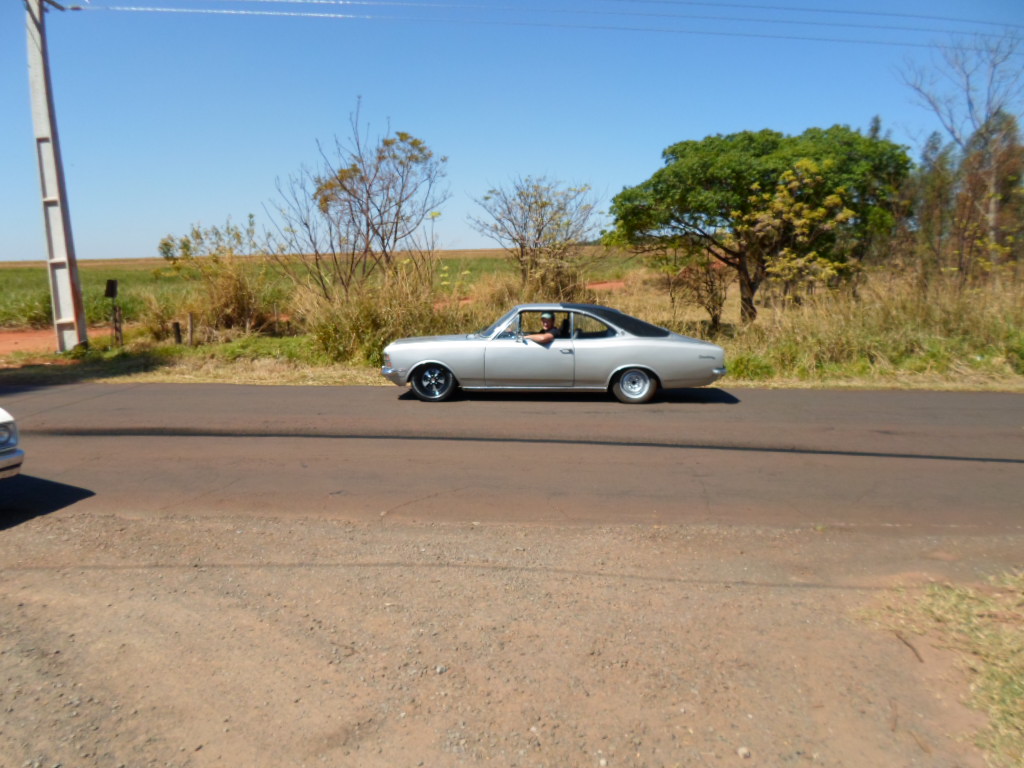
{"type": "Point", "coordinates": [531, 321]}
{"type": "Point", "coordinates": [587, 327]}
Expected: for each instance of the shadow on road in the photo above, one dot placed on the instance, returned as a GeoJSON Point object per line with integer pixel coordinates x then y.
{"type": "Point", "coordinates": [699, 396]}
{"type": "Point", "coordinates": [25, 497]}
{"type": "Point", "coordinates": [702, 396]}
{"type": "Point", "coordinates": [77, 367]}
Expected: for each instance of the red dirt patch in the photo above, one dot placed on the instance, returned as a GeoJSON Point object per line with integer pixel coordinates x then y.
{"type": "Point", "coordinates": [42, 340]}
{"type": "Point", "coordinates": [35, 345]}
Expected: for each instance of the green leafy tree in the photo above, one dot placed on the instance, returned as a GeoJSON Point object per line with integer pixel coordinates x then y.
{"type": "Point", "coordinates": [716, 190]}
{"type": "Point", "coordinates": [795, 232]}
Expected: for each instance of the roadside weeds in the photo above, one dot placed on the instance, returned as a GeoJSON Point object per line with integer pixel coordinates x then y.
{"type": "Point", "coordinates": [985, 627]}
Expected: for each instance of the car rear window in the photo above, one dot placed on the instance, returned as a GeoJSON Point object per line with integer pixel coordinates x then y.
{"type": "Point", "coordinates": [629, 323]}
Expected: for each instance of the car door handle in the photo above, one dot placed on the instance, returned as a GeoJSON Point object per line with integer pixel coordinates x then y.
{"type": "Point", "coordinates": [566, 351]}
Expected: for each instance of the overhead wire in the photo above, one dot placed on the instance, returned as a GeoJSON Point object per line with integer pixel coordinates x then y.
{"type": "Point", "coordinates": [806, 9]}
{"type": "Point", "coordinates": [566, 25]}
{"type": "Point", "coordinates": [651, 14]}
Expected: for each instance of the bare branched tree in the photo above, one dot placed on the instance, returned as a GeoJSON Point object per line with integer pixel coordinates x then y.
{"type": "Point", "coordinates": [543, 226]}
{"type": "Point", "coordinates": [973, 81]}
{"type": "Point", "coordinates": [368, 204]}
{"type": "Point", "coordinates": [976, 91]}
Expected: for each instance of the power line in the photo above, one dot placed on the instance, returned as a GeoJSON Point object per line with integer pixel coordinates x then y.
{"type": "Point", "coordinates": [650, 14]}
{"type": "Point", "coordinates": [225, 12]}
{"type": "Point", "coordinates": [792, 9]}
{"type": "Point", "coordinates": [551, 25]}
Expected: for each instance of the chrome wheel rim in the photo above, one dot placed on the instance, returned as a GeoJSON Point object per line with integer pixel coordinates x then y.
{"type": "Point", "coordinates": [434, 381]}
{"type": "Point", "coordinates": [635, 383]}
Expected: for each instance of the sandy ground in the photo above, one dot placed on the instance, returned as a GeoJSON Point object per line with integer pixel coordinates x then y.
{"type": "Point", "coordinates": [42, 341]}
{"type": "Point", "coordinates": [260, 642]}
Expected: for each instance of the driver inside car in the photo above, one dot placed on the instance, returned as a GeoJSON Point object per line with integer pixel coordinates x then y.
{"type": "Point", "coordinates": [548, 331]}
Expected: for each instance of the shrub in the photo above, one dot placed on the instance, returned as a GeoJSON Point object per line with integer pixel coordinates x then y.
{"type": "Point", "coordinates": [1015, 352]}
{"type": "Point", "coordinates": [234, 291]}
{"type": "Point", "coordinates": [158, 315]}
{"type": "Point", "coordinates": [750, 366]}
{"type": "Point", "coordinates": [358, 328]}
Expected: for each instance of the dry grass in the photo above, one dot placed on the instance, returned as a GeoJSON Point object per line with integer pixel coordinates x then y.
{"type": "Point", "coordinates": [985, 626]}
{"type": "Point", "coordinates": [892, 333]}
{"type": "Point", "coordinates": [260, 371]}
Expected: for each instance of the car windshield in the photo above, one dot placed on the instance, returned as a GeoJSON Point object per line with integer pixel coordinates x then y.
{"type": "Point", "coordinates": [489, 330]}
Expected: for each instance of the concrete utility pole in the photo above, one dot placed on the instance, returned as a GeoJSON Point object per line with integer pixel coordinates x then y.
{"type": "Point", "coordinates": [65, 287]}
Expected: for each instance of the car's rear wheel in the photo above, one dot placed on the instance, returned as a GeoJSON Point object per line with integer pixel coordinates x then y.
{"type": "Point", "coordinates": [432, 383]}
{"type": "Point", "coordinates": [635, 385]}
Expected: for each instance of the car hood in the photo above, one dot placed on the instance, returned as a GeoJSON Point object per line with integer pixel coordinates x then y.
{"type": "Point", "coordinates": [5, 416]}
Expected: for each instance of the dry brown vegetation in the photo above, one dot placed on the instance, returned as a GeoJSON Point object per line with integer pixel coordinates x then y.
{"type": "Point", "coordinates": [887, 330]}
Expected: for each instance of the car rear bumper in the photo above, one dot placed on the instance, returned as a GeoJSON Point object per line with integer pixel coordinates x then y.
{"type": "Point", "coordinates": [10, 463]}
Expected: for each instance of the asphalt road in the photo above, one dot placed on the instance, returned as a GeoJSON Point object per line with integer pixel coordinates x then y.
{"type": "Point", "coordinates": [914, 461]}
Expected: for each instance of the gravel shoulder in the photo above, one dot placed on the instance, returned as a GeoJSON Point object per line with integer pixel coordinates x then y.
{"type": "Point", "coordinates": [229, 641]}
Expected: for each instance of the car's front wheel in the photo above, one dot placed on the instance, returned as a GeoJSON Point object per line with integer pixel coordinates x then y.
{"type": "Point", "coordinates": [432, 383]}
{"type": "Point", "coordinates": [635, 385]}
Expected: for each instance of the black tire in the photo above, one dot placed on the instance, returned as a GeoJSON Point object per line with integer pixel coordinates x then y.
{"type": "Point", "coordinates": [634, 386]}
{"type": "Point", "coordinates": [432, 383]}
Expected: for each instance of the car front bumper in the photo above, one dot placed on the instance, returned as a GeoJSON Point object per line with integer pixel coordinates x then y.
{"type": "Point", "coordinates": [394, 375]}
{"type": "Point", "coordinates": [10, 463]}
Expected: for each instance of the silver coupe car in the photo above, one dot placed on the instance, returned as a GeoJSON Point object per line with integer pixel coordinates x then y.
{"type": "Point", "coordinates": [555, 348]}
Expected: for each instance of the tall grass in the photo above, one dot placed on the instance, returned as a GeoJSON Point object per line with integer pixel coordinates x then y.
{"type": "Point", "coordinates": [889, 330]}
{"type": "Point", "coordinates": [889, 327]}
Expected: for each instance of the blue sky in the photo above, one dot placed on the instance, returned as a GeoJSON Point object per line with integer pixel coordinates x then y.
{"type": "Point", "coordinates": [170, 119]}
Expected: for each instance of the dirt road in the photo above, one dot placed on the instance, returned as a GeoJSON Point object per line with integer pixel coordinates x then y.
{"type": "Point", "coordinates": [268, 642]}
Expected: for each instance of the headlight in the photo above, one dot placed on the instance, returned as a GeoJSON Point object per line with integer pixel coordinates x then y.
{"type": "Point", "coordinates": [387, 360]}
{"type": "Point", "coordinates": [8, 435]}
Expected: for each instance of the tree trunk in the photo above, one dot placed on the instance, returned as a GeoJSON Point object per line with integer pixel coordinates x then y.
{"type": "Point", "coordinates": [748, 312]}
{"type": "Point", "coordinates": [749, 283]}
